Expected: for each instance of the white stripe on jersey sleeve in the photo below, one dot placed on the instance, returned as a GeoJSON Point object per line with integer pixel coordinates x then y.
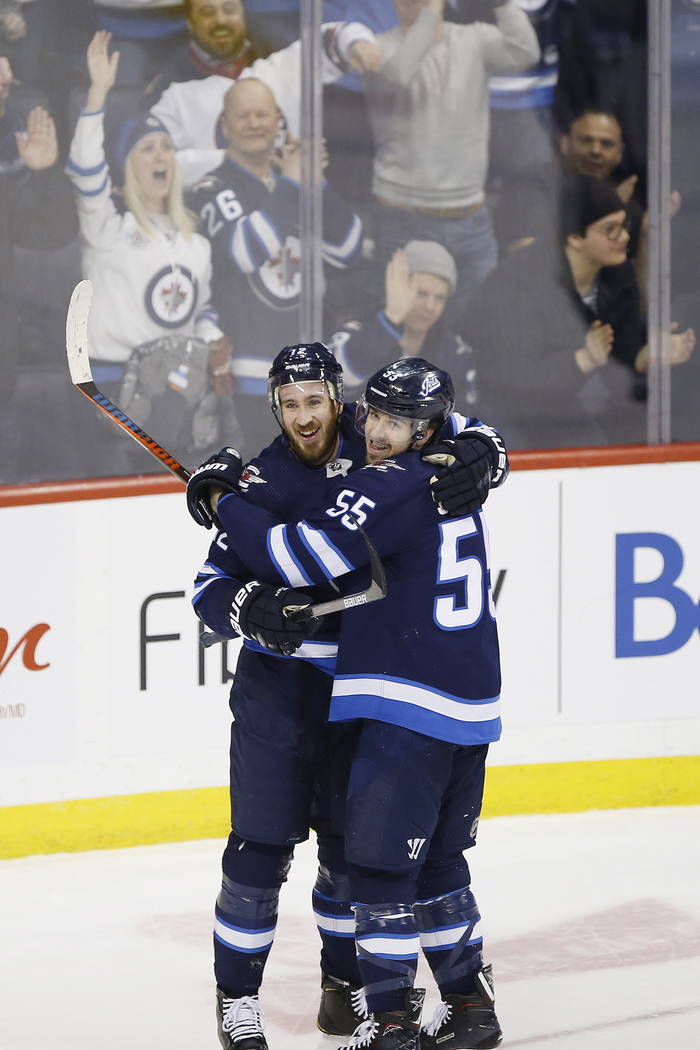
{"type": "Point", "coordinates": [266, 233]}
{"type": "Point", "coordinates": [283, 557]}
{"type": "Point", "coordinates": [213, 573]}
{"type": "Point", "coordinates": [338, 254]}
{"type": "Point", "coordinates": [330, 560]}
{"type": "Point", "coordinates": [240, 251]}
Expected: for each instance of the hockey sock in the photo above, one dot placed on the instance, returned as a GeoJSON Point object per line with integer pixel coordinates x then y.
{"type": "Point", "coordinates": [386, 937]}
{"type": "Point", "coordinates": [335, 918]}
{"type": "Point", "coordinates": [246, 913]}
{"type": "Point", "coordinates": [387, 953]}
{"type": "Point", "coordinates": [450, 936]}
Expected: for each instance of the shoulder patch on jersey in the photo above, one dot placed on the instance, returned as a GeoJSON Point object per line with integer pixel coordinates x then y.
{"type": "Point", "coordinates": [250, 476]}
{"type": "Point", "coordinates": [383, 464]}
{"type": "Point", "coordinates": [338, 468]}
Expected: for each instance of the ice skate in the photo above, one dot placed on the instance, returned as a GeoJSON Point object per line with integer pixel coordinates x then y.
{"type": "Point", "coordinates": [465, 1022]}
{"type": "Point", "coordinates": [391, 1030]}
{"type": "Point", "coordinates": [343, 1007]}
{"type": "Point", "coordinates": [240, 1022]}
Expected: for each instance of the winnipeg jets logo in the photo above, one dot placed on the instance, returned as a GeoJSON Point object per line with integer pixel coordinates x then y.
{"type": "Point", "coordinates": [250, 476]}
{"type": "Point", "coordinates": [171, 296]}
{"type": "Point", "coordinates": [338, 468]}
{"type": "Point", "coordinates": [280, 276]}
{"type": "Point", "coordinates": [430, 383]}
{"type": "Point", "coordinates": [414, 848]}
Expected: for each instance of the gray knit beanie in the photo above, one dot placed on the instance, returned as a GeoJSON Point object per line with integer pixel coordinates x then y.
{"type": "Point", "coordinates": [431, 257]}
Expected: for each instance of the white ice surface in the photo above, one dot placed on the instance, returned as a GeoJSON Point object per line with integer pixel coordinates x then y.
{"type": "Point", "coordinates": [592, 922]}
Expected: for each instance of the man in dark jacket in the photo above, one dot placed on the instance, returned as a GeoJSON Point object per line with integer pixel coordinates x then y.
{"type": "Point", "coordinates": [36, 211]}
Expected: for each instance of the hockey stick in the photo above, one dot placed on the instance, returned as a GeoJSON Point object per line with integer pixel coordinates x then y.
{"type": "Point", "coordinates": [377, 589]}
{"type": "Point", "coordinates": [81, 375]}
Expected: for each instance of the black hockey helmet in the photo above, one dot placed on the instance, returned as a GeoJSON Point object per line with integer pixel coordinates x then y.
{"type": "Point", "coordinates": [410, 389]}
{"type": "Point", "coordinates": [304, 363]}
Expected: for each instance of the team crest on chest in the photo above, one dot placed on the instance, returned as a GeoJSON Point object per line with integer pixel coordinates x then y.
{"type": "Point", "coordinates": [278, 281]}
{"type": "Point", "coordinates": [171, 296]}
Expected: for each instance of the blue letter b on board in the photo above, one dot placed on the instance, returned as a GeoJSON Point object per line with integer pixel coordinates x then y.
{"type": "Point", "coordinates": [628, 591]}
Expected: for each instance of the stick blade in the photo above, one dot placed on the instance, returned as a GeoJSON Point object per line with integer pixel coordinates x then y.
{"type": "Point", "coordinates": [77, 335]}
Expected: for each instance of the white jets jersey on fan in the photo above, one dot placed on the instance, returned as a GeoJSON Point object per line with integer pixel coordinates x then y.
{"type": "Point", "coordinates": [144, 287]}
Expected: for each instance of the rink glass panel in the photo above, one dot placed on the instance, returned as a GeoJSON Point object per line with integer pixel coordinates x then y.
{"type": "Point", "coordinates": [46, 426]}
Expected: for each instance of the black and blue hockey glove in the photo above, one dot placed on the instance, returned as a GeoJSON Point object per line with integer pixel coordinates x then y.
{"type": "Point", "coordinates": [258, 614]}
{"type": "Point", "coordinates": [221, 471]}
{"type": "Point", "coordinates": [473, 463]}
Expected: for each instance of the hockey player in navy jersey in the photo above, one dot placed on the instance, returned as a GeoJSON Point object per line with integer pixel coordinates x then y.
{"type": "Point", "coordinates": [287, 766]}
{"type": "Point", "coordinates": [421, 670]}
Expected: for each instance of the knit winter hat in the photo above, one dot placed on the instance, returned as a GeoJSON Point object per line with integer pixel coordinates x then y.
{"type": "Point", "coordinates": [128, 134]}
{"type": "Point", "coordinates": [584, 200]}
{"type": "Point", "coordinates": [431, 257]}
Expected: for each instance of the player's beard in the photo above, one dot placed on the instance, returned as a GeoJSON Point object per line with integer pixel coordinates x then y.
{"type": "Point", "coordinates": [318, 451]}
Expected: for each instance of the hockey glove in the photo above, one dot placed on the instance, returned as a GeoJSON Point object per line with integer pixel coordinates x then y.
{"type": "Point", "coordinates": [473, 463]}
{"type": "Point", "coordinates": [221, 471]}
{"type": "Point", "coordinates": [257, 613]}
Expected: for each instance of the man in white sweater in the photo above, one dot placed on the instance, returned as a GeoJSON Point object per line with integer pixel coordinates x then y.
{"type": "Point", "coordinates": [429, 110]}
{"type": "Point", "coordinates": [191, 110]}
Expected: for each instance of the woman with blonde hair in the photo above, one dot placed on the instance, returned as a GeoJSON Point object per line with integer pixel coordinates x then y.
{"type": "Point", "coordinates": [150, 269]}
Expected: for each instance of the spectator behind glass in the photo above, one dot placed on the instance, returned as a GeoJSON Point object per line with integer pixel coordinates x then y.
{"type": "Point", "coordinates": [151, 272]}
{"type": "Point", "coordinates": [427, 91]}
{"type": "Point", "coordinates": [418, 282]}
{"type": "Point", "coordinates": [603, 64]}
{"type": "Point", "coordinates": [528, 203]}
{"type": "Point", "coordinates": [192, 110]}
{"type": "Point", "coordinates": [559, 332]}
{"type": "Point", "coordinates": [218, 44]}
{"type": "Point", "coordinates": [249, 209]}
{"type": "Point", "coordinates": [522, 108]}
{"type": "Point", "coordinates": [36, 212]}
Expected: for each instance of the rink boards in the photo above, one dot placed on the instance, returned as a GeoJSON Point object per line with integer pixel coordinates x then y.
{"type": "Point", "coordinates": [114, 722]}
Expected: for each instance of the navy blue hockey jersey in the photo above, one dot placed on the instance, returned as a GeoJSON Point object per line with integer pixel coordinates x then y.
{"type": "Point", "coordinates": [426, 657]}
{"type": "Point", "coordinates": [256, 259]}
{"type": "Point", "coordinates": [280, 483]}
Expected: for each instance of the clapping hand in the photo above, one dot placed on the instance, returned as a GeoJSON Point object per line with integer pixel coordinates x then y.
{"type": "Point", "coordinates": [38, 147]}
{"type": "Point", "coordinates": [682, 344]}
{"type": "Point", "coordinates": [598, 347]}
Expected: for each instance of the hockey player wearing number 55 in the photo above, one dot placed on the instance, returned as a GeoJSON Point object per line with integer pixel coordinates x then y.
{"type": "Point", "coordinates": [286, 760]}
{"type": "Point", "coordinates": [421, 672]}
